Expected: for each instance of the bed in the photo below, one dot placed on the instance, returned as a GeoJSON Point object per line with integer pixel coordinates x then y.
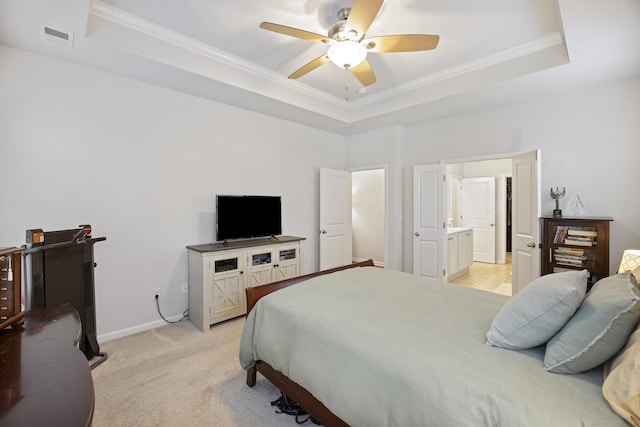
{"type": "Point", "coordinates": [367, 346]}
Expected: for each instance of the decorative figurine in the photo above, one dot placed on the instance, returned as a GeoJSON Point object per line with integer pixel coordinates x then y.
{"type": "Point", "coordinates": [557, 195]}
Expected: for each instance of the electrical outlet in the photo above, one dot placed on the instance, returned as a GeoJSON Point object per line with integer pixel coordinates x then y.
{"type": "Point", "coordinates": [156, 292]}
{"type": "Point", "coordinates": [185, 288]}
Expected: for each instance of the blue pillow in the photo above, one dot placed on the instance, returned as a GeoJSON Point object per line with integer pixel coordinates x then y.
{"type": "Point", "coordinates": [536, 313]}
{"type": "Point", "coordinates": [599, 329]}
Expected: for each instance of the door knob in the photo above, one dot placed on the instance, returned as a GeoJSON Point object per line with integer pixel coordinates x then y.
{"type": "Point", "coordinates": [531, 245]}
{"type": "Point", "coordinates": [417, 234]}
{"type": "Point", "coordinates": [323, 231]}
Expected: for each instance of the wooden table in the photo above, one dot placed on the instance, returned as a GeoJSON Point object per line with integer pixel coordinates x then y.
{"type": "Point", "coordinates": [45, 380]}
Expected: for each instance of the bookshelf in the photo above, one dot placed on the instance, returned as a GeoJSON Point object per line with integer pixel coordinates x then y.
{"type": "Point", "coordinates": [575, 244]}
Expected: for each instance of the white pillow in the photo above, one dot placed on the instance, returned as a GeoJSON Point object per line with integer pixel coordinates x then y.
{"type": "Point", "coordinates": [536, 313]}
{"type": "Point", "coordinates": [621, 386]}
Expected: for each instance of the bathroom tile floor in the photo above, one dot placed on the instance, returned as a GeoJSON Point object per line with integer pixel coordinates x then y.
{"type": "Point", "coordinates": [487, 277]}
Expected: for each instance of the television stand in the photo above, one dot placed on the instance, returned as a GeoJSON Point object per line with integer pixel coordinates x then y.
{"type": "Point", "coordinates": [220, 272]}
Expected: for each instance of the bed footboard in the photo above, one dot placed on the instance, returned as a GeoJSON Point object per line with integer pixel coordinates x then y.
{"type": "Point", "coordinates": [257, 292]}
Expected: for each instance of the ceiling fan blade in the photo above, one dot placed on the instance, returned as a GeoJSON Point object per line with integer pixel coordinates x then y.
{"type": "Point", "coordinates": [310, 66]}
{"type": "Point", "coordinates": [401, 43]}
{"type": "Point", "coordinates": [364, 73]}
{"type": "Point", "coordinates": [362, 14]}
{"type": "Point", "coordinates": [295, 32]}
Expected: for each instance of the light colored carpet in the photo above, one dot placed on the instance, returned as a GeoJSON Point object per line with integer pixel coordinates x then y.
{"type": "Point", "coordinates": [176, 375]}
{"type": "Point", "coordinates": [503, 289]}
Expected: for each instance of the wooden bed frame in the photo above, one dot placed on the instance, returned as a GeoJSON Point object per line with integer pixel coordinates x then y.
{"type": "Point", "coordinates": [299, 394]}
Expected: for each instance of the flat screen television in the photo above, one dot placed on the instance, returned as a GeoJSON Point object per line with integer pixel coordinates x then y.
{"type": "Point", "coordinates": [244, 217]}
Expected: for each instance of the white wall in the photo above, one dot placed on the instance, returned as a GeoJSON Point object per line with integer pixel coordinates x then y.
{"type": "Point", "coordinates": [368, 219]}
{"type": "Point", "coordinates": [142, 165]}
{"type": "Point", "coordinates": [589, 142]}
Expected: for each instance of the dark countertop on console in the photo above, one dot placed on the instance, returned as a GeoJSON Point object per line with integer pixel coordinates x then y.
{"type": "Point", "coordinates": [237, 244]}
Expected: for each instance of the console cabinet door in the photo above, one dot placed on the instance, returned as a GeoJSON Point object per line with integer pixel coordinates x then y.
{"type": "Point", "coordinates": [228, 296]}
{"type": "Point", "coordinates": [452, 262]}
{"type": "Point", "coordinates": [287, 262]}
{"type": "Point", "coordinates": [261, 264]}
{"type": "Point", "coordinates": [465, 250]}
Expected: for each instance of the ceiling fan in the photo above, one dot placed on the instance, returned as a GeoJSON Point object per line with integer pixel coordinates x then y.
{"type": "Point", "coordinates": [348, 46]}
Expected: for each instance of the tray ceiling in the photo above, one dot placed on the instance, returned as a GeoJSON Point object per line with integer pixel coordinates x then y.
{"type": "Point", "coordinates": [216, 50]}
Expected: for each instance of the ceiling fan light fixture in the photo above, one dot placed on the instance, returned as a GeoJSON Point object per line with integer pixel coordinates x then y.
{"type": "Point", "coordinates": [347, 54]}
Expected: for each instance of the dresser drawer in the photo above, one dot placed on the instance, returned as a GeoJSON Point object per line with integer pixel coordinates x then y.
{"type": "Point", "coordinates": [7, 308]}
{"type": "Point", "coordinates": [4, 272]}
{"type": "Point", "coordinates": [10, 279]}
{"type": "Point", "coordinates": [6, 288]}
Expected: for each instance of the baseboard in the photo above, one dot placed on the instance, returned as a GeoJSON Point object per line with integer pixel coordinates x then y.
{"type": "Point", "coordinates": [135, 329]}
{"type": "Point", "coordinates": [376, 263]}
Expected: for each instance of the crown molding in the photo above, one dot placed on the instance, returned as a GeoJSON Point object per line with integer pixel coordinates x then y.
{"type": "Point", "coordinates": [548, 42]}
{"type": "Point", "coordinates": [118, 16]}
{"type": "Point", "coordinates": [244, 75]}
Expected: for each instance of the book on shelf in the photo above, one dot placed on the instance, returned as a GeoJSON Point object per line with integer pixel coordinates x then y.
{"type": "Point", "coordinates": [571, 263]}
{"type": "Point", "coordinates": [561, 232]}
{"type": "Point", "coordinates": [571, 257]}
{"type": "Point", "coordinates": [563, 250]}
{"type": "Point", "coordinates": [582, 231]}
{"type": "Point", "coordinates": [579, 241]}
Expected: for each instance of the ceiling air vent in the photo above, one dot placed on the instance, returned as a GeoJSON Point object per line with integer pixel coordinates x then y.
{"type": "Point", "coordinates": [61, 38]}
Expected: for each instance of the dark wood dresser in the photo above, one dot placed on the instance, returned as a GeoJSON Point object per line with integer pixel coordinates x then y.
{"type": "Point", "coordinates": [45, 380]}
{"type": "Point", "coordinates": [11, 313]}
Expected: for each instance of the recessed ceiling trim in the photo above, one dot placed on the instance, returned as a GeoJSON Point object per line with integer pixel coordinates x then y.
{"type": "Point", "coordinates": [150, 29]}
{"type": "Point", "coordinates": [548, 42]}
{"type": "Point", "coordinates": [138, 36]}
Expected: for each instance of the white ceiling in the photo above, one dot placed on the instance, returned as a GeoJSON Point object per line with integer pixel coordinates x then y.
{"type": "Point", "coordinates": [490, 52]}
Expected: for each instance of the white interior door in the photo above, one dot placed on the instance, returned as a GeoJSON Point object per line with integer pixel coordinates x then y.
{"type": "Point", "coordinates": [525, 219]}
{"type": "Point", "coordinates": [479, 213]}
{"type": "Point", "coordinates": [335, 218]}
{"type": "Point", "coordinates": [428, 219]}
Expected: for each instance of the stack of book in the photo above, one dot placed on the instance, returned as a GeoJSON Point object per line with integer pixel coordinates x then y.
{"type": "Point", "coordinates": [581, 236]}
{"type": "Point", "coordinates": [571, 257]}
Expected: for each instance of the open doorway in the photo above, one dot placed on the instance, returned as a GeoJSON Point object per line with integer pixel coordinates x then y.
{"type": "Point", "coordinates": [368, 215]}
{"type": "Point", "coordinates": [493, 273]}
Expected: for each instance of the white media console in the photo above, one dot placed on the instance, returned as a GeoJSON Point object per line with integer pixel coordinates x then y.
{"type": "Point", "coordinates": [219, 274]}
